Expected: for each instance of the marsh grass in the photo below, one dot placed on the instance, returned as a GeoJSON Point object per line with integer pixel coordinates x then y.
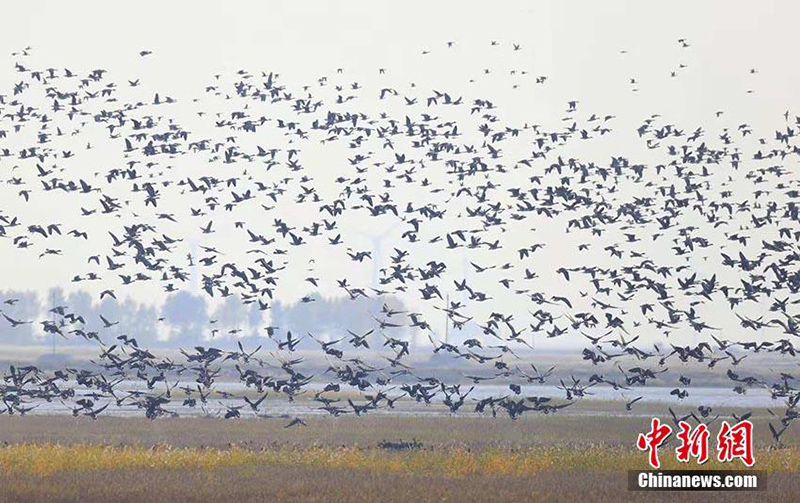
{"type": "Point", "coordinates": [94, 473]}
{"type": "Point", "coordinates": [475, 433]}
{"type": "Point", "coordinates": [48, 459]}
{"type": "Point", "coordinates": [45, 459]}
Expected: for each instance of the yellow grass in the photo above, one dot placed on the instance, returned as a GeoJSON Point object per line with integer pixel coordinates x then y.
{"type": "Point", "coordinates": [47, 459]}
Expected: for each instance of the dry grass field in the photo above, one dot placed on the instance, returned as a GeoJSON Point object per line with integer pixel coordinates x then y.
{"type": "Point", "coordinates": [546, 458]}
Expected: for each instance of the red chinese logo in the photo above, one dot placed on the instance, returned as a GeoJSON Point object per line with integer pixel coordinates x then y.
{"type": "Point", "coordinates": [694, 443]}
{"type": "Point", "coordinates": [653, 439]}
{"type": "Point", "coordinates": [736, 442]}
{"type": "Point", "coordinates": [733, 442]}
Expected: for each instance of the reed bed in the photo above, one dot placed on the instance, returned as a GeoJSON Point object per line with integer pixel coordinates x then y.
{"type": "Point", "coordinates": [47, 459]}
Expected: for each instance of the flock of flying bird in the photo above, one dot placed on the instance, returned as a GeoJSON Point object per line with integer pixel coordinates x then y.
{"type": "Point", "coordinates": [660, 248]}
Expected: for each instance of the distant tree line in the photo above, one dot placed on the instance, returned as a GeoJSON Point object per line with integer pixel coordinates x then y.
{"type": "Point", "coordinates": [185, 319]}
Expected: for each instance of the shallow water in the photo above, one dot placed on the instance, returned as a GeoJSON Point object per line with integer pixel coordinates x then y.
{"type": "Point", "coordinates": [279, 406]}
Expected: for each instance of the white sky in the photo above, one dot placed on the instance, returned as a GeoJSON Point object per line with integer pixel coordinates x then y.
{"type": "Point", "coordinates": [576, 44]}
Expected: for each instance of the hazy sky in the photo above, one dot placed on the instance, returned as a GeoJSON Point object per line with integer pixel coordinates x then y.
{"type": "Point", "coordinates": [576, 43]}
{"type": "Point", "coordinates": [588, 50]}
